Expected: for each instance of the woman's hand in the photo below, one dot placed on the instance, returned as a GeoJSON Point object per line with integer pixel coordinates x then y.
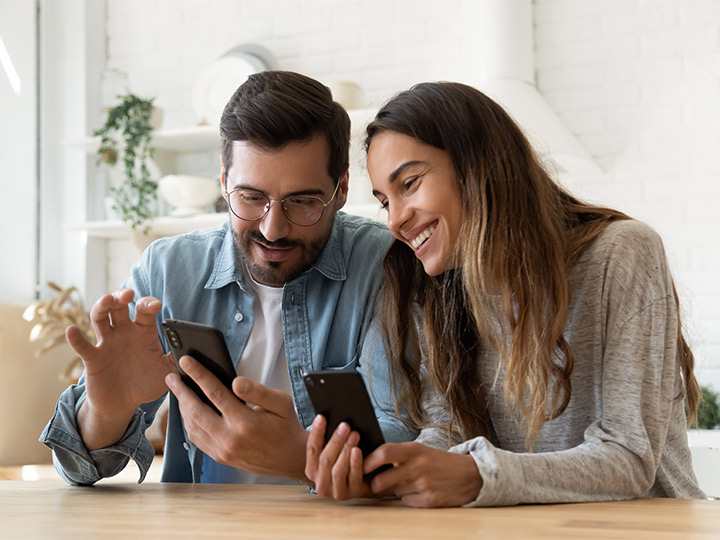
{"type": "Point", "coordinates": [336, 468]}
{"type": "Point", "coordinates": [423, 476]}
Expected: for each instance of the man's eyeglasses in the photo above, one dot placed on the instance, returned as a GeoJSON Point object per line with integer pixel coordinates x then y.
{"type": "Point", "coordinates": [302, 210]}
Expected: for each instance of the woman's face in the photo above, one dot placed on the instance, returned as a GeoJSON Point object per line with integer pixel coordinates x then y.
{"type": "Point", "coordinates": [417, 185]}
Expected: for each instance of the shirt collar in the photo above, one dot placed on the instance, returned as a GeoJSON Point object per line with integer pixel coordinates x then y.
{"type": "Point", "coordinates": [330, 263]}
{"type": "Point", "coordinates": [225, 271]}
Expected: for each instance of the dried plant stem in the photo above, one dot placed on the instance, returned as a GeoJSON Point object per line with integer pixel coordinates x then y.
{"type": "Point", "coordinates": [52, 317]}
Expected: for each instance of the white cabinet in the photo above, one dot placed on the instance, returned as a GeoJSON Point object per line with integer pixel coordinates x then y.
{"type": "Point", "coordinates": [705, 449]}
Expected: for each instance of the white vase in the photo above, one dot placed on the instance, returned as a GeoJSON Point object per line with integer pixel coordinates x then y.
{"type": "Point", "coordinates": [188, 195]}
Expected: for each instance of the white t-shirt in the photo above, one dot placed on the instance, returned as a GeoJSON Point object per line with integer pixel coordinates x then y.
{"type": "Point", "coordinates": [263, 360]}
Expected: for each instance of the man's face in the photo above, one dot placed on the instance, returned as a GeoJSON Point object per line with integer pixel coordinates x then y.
{"type": "Point", "coordinates": [275, 249]}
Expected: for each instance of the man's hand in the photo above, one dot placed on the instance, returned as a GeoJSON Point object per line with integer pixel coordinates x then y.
{"type": "Point", "coordinates": [125, 369]}
{"type": "Point", "coordinates": [424, 476]}
{"type": "Point", "coordinates": [336, 467]}
{"type": "Point", "coordinates": [263, 437]}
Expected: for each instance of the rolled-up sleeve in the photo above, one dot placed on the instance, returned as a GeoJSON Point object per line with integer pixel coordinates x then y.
{"type": "Point", "coordinates": [79, 466]}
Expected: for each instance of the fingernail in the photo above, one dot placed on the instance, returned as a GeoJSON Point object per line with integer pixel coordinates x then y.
{"type": "Point", "coordinates": [186, 362]}
{"type": "Point", "coordinates": [242, 386]}
{"type": "Point", "coordinates": [153, 304]}
{"type": "Point", "coordinates": [343, 428]}
{"type": "Point", "coordinates": [170, 381]}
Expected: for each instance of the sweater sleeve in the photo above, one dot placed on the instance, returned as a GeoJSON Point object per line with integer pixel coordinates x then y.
{"type": "Point", "coordinates": [641, 393]}
{"type": "Point", "coordinates": [620, 452]}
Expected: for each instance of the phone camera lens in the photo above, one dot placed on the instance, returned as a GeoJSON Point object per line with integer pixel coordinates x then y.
{"type": "Point", "coordinates": [309, 381]}
{"type": "Point", "coordinates": [174, 339]}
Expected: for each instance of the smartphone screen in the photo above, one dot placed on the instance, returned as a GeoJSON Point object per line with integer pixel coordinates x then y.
{"type": "Point", "coordinates": [204, 343]}
{"type": "Point", "coordinates": [341, 396]}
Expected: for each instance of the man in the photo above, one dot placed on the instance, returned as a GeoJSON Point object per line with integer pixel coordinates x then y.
{"type": "Point", "coordinates": [290, 283]}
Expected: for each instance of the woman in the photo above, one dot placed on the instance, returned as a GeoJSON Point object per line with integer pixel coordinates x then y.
{"type": "Point", "coordinates": [551, 331]}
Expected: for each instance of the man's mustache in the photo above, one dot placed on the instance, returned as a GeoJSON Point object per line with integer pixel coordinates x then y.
{"type": "Point", "coordinates": [257, 236]}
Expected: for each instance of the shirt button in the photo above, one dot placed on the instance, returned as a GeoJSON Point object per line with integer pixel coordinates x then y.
{"type": "Point", "coordinates": [186, 446]}
{"type": "Point", "coordinates": [238, 317]}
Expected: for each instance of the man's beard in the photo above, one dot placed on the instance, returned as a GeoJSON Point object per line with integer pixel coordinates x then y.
{"type": "Point", "coordinates": [273, 273]}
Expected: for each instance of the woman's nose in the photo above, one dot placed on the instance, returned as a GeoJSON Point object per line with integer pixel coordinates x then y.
{"type": "Point", "coordinates": [398, 214]}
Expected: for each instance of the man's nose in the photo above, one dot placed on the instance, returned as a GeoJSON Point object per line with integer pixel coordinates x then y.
{"type": "Point", "coordinates": [274, 225]}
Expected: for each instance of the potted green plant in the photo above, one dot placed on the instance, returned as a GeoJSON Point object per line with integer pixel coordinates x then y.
{"type": "Point", "coordinates": [709, 410]}
{"type": "Point", "coordinates": [129, 122]}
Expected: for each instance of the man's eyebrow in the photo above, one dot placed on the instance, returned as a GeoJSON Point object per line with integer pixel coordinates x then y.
{"type": "Point", "coordinates": [308, 191]}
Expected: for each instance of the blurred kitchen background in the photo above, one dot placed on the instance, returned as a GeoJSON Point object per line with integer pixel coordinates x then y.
{"type": "Point", "coordinates": [621, 96]}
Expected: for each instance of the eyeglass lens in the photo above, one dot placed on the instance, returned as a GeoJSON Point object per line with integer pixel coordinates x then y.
{"type": "Point", "coordinates": [251, 205]}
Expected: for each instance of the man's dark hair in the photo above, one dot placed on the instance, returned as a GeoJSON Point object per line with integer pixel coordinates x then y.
{"type": "Point", "coordinates": [274, 108]}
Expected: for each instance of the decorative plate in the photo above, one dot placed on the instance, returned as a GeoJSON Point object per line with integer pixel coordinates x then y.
{"type": "Point", "coordinates": [218, 81]}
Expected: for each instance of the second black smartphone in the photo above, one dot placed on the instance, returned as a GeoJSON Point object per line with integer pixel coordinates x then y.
{"type": "Point", "coordinates": [341, 396]}
{"type": "Point", "coordinates": [204, 343]}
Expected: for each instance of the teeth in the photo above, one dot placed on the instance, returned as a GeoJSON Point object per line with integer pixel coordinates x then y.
{"type": "Point", "coordinates": [420, 238]}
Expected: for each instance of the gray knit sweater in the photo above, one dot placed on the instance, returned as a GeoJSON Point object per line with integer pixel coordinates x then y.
{"type": "Point", "coordinates": [623, 435]}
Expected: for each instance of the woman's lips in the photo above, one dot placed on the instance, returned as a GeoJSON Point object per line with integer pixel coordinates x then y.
{"type": "Point", "coordinates": [419, 241]}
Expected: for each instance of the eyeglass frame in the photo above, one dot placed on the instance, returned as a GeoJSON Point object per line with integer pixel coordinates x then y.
{"type": "Point", "coordinates": [282, 201]}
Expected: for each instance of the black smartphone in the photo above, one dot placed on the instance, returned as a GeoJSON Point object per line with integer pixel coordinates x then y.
{"type": "Point", "coordinates": [204, 343]}
{"type": "Point", "coordinates": [341, 396]}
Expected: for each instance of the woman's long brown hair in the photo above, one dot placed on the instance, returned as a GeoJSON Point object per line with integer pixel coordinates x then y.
{"type": "Point", "coordinates": [510, 292]}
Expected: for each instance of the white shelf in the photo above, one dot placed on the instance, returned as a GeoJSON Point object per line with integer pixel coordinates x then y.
{"type": "Point", "coordinates": [191, 139]}
{"type": "Point", "coordinates": [161, 226]}
{"type": "Point", "coordinates": [201, 138]}
{"type": "Point", "coordinates": [704, 438]}
{"type": "Point", "coordinates": [170, 226]}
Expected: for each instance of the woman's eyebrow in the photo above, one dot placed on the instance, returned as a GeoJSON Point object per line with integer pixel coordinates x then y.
{"type": "Point", "coordinates": [397, 172]}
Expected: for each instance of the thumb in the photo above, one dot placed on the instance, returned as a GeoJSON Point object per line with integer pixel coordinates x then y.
{"type": "Point", "coordinates": [271, 400]}
{"type": "Point", "coordinates": [77, 341]}
{"type": "Point", "coordinates": [169, 361]}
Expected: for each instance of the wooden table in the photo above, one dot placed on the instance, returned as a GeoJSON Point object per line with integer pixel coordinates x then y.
{"type": "Point", "coordinates": [49, 509]}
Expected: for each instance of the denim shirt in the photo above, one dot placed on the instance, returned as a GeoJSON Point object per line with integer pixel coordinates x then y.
{"type": "Point", "coordinates": [328, 323]}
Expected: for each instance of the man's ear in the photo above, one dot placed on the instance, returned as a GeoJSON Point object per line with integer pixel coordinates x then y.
{"type": "Point", "coordinates": [343, 190]}
{"type": "Point", "coordinates": [223, 180]}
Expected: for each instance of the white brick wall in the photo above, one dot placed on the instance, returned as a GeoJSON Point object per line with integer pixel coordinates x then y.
{"type": "Point", "coordinates": [651, 117]}
{"type": "Point", "coordinates": [637, 81]}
